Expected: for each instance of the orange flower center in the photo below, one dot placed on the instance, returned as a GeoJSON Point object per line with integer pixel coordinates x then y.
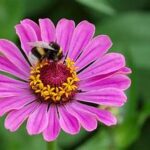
{"type": "Point", "coordinates": [54, 81]}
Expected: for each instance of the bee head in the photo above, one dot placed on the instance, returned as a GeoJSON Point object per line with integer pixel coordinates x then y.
{"type": "Point", "coordinates": [55, 46]}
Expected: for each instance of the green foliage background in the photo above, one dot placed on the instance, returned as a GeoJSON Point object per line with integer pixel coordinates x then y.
{"type": "Point", "coordinates": [127, 22]}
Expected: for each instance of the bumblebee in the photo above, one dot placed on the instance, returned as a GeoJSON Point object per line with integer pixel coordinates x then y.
{"type": "Point", "coordinates": [42, 50]}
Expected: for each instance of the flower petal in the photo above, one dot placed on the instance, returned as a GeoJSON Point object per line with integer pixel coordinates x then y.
{"type": "Point", "coordinates": [17, 85]}
{"type": "Point", "coordinates": [13, 54]}
{"type": "Point", "coordinates": [11, 103]}
{"type": "Point", "coordinates": [34, 26]}
{"type": "Point", "coordinates": [64, 32]}
{"type": "Point", "coordinates": [103, 116]}
{"type": "Point", "coordinates": [125, 70]}
{"type": "Point", "coordinates": [16, 117]}
{"type": "Point", "coordinates": [8, 91]}
{"type": "Point", "coordinates": [122, 71]}
{"type": "Point", "coordinates": [7, 79]}
{"type": "Point", "coordinates": [26, 34]}
{"type": "Point", "coordinates": [83, 33]}
{"type": "Point", "coordinates": [7, 66]}
{"type": "Point", "coordinates": [68, 122]}
{"type": "Point", "coordinates": [96, 48]}
{"type": "Point", "coordinates": [53, 128]}
{"type": "Point", "coordinates": [108, 97]}
{"type": "Point", "coordinates": [115, 81]}
{"type": "Point", "coordinates": [86, 119]}
{"type": "Point", "coordinates": [109, 63]}
{"type": "Point", "coordinates": [38, 120]}
{"type": "Point", "coordinates": [47, 30]}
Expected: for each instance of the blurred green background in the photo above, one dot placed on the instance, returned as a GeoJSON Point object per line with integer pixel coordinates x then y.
{"type": "Point", "coordinates": [127, 22]}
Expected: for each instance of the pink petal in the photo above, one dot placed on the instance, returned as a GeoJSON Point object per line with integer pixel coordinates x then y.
{"type": "Point", "coordinates": [64, 31]}
{"type": "Point", "coordinates": [7, 87]}
{"type": "Point", "coordinates": [103, 116]}
{"type": "Point", "coordinates": [16, 102]}
{"type": "Point", "coordinates": [34, 26]}
{"type": "Point", "coordinates": [83, 33]}
{"type": "Point", "coordinates": [8, 94]}
{"type": "Point", "coordinates": [96, 48]}
{"type": "Point", "coordinates": [53, 128]}
{"type": "Point", "coordinates": [22, 86]}
{"type": "Point", "coordinates": [8, 91]}
{"type": "Point", "coordinates": [13, 54]}
{"type": "Point", "coordinates": [125, 70]}
{"type": "Point", "coordinates": [109, 63]}
{"type": "Point", "coordinates": [6, 79]}
{"type": "Point", "coordinates": [122, 71]}
{"type": "Point", "coordinates": [108, 97]}
{"type": "Point", "coordinates": [7, 66]}
{"type": "Point", "coordinates": [47, 30]}
{"type": "Point", "coordinates": [68, 122]}
{"type": "Point", "coordinates": [86, 119]}
{"type": "Point", "coordinates": [26, 34]}
{"type": "Point", "coordinates": [38, 120]}
{"type": "Point", "coordinates": [115, 81]}
{"type": "Point", "coordinates": [16, 117]}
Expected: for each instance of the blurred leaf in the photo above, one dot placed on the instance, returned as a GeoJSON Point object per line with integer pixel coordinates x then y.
{"type": "Point", "coordinates": [144, 75]}
{"type": "Point", "coordinates": [34, 7]}
{"type": "Point", "coordinates": [126, 133]}
{"type": "Point", "coordinates": [144, 82]}
{"type": "Point", "coordinates": [127, 5]}
{"type": "Point", "coordinates": [130, 115]}
{"type": "Point", "coordinates": [101, 140]}
{"type": "Point", "coordinates": [142, 142]}
{"type": "Point", "coordinates": [20, 140]}
{"type": "Point", "coordinates": [99, 5]}
{"type": "Point", "coordinates": [73, 11]}
{"type": "Point", "coordinates": [131, 31]}
{"type": "Point", "coordinates": [67, 141]}
{"type": "Point", "coordinates": [11, 11]}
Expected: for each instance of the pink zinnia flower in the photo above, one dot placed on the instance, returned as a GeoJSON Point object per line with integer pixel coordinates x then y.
{"type": "Point", "coordinates": [54, 95]}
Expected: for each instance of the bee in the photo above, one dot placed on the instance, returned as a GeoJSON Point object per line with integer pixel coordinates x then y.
{"type": "Point", "coordinates": [41, 50]}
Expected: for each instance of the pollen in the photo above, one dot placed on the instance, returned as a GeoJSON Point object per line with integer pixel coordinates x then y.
{"type": "Point", "coordinates": [54, 81]}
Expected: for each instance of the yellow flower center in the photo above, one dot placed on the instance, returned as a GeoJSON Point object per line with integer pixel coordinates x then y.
{"type": "Point", "coordinates": [54, 81]}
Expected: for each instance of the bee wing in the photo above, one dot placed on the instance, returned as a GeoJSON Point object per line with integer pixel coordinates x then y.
{"type": "Point", "coordinates": [40, 44]}
{"type": "Point", "coordinates": [33, 59]}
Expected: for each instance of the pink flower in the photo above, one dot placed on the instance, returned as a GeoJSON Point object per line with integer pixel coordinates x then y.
{"type": "Point", "coordinates": [54, 95]}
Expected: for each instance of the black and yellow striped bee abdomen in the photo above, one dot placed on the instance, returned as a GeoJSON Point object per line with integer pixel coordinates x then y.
{"type": "Point", "coordinates": [39, 52]}
{"type": "Point", "coordinates": [53, 52]}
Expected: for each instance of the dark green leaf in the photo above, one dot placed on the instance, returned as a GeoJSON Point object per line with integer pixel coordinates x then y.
{"type": "Point", "coordinates": [101, 140]}
{"type": "Point", "coordinates": [11, 11]}
{"type": "Point", "coordinates": [99, 5]}
{"type": "Point", "coordinates": [130, 31]}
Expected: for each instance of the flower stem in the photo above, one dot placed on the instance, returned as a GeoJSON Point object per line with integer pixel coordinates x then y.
{"type": "Point", "coordinates": [52, 145]}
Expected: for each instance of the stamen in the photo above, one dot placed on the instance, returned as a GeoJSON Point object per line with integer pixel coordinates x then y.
{"type": "Point", "coordinates": [54, 81]}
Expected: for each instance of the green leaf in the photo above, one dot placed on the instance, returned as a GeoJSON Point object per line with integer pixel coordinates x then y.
{"type": "Point", "coordinates": [11, 11]}
{"type": "Point", "coordinates": [66, 141]}
{"type": "Point", "coordinates": [99, 5]}
{"type": "Point", "coordinates": [20, 140]}
{"type": "Point", "coordinates": [34, 7]}
{"type": "Point", "coordinates": [127, 132]}
{"type": "Point", "coordinates": [130, 31]}
{"type": "Point", "coordinates": [101, 140]}
{"type": "Point", "coordinates": [129, 125]}
{"type": "Point", "coordinates": [144, 87]}
{"type": "Point", "coordinates": [128, 4]}
{"type": "Point", "coordinates": [142, 142]}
